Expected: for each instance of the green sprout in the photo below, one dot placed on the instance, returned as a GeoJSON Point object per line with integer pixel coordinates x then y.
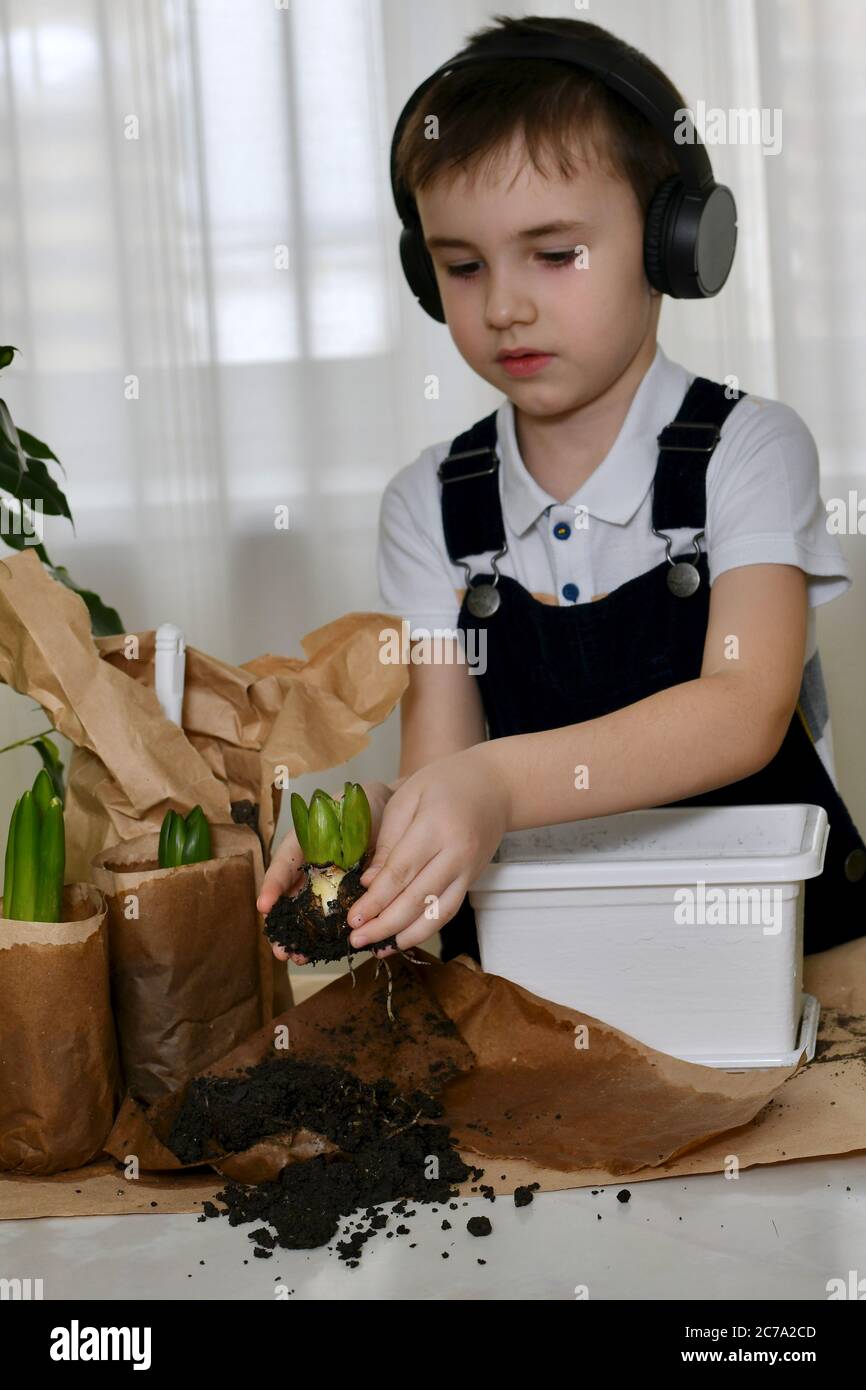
{"type": "Point", "coordinates": [184, 840]}
{"type": "Point", "coordinates": [333, 835]}
{"type": "Point", "coordinates": [35, 855]}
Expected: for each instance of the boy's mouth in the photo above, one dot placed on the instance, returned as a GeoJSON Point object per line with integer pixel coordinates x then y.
{"type": "Point", "coordinates": [523, 362]}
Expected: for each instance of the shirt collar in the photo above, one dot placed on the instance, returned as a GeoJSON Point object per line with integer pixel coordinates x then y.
{"type": "Point", "coordinates": [615, 489]}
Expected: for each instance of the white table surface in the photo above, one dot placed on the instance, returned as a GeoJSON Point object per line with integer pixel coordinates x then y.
{"type": "Point", "coordinates": [775, 1233]}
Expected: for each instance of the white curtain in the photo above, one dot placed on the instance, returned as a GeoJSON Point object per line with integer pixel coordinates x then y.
{"type": "Point", "coordinates": [198, 260]}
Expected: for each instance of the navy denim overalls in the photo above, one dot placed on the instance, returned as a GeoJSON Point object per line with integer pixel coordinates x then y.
{"type": "Point", "coordinates": [549, 666]}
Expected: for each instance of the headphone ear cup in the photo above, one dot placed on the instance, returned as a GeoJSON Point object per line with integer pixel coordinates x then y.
{"type": "Point", "coordinates": [419, 272]}
{"type": "Point", "coordinates": [660, 215]}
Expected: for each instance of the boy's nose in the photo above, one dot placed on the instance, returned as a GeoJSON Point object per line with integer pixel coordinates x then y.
{"type": "Point", "coordinates": [507, 305]}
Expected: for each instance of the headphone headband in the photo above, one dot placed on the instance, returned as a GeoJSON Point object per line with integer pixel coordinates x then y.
{"type": "Point", "coordinates": [691, 225]}
{"type": "Point", "coordinates": [622, 73]}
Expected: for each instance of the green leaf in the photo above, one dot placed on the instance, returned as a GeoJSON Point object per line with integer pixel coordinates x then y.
{"type": "Point", "coordinates": [36, 448]}
{"type": "Point", "coordinates": [104, 621]}
{"type": "Point", "coordinates": [43, 791]}
{"type": "Point", "coordinates": [52, 764]}
{"type": "Point", "coordinates": [10, 439]}
{"type": "Point", "coordinates": [15, 537]}
{"type": "Point", "coordinates": [301, 822]}
{"type": "Point", "coordinates": [52, 863]}
{"type": "Point", "coordinates": [197, 841]}
{"type": "Point", "coordinates": [26, 865]}
{"type": "Point", "coordinates": [21, 742]}
{"type": "Point", "coordinates": [324, 835]}
{"type": "Point", "coordinates": [162, 849]}
{"type": "Point", "coordinates": [9, 867]}
{"type": "Point", "coordinates": [356, 825]}
{"type": "Point", "coordinates": [6, 356]}
{"type": "Point", "coordinates": [176, 841]}
{"type": "Point", "coordinates": [32, 482]}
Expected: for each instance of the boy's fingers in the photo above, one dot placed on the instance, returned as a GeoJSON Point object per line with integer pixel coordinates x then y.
{"type": "Point", "coordinates": [423, 928]}
{"type": "Point", "coordinates": [402, 866]}
{"type": "Point", "coordinates": [270, 892]}
{"type": "Point", "coordinates": [394, 832]}
{"type": "Point", "coordinates": [405, 903]}
{"type": "Point", "coordinates": [396, 820]}
{"type": "Point", "coordinates": [284, 873]}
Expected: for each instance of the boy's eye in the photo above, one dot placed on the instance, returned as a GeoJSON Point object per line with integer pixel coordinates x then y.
{"type": "Point", "coordinates": [462, 271]}
{"type": "Point", "coordinates": [466, 269]}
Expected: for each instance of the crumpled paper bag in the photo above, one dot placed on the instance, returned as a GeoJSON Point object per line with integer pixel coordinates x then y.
{"type": "Point", "coordinates": [241, 724]}
{"type": "Point", "coordinates": [525, 1078]}
{"type": "Point", "coordinates": [191, 969]}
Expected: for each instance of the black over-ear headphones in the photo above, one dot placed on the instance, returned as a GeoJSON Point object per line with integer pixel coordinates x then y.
{"type": "Point", "coordinates": [691, 224]}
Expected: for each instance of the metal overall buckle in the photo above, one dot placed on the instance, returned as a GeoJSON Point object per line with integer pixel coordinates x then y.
{"type": "Point", "coordinates": [482, 600]}
{"type": "Point", "coordinates": [683, 578]}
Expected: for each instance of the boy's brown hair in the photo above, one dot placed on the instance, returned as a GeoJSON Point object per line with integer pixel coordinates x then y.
{"type": "Point", "coordinates": [481, 106]}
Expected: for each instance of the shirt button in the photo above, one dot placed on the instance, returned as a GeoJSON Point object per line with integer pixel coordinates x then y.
{"type": "Point", "coordinates": [570, 591]}
{"type": "Point", "coordinates": [562, 530]}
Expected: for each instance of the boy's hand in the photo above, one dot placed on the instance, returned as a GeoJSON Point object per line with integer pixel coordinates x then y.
{"type": "Point", "coordinates": [284, 873]}
{"type": "Point", "coordinates": [440, 829]}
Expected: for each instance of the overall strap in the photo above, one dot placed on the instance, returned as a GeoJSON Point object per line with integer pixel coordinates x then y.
{"type": "Point", "coordinates": [685, 448]}
{"type": "Point", "coordinates": [471, 510]}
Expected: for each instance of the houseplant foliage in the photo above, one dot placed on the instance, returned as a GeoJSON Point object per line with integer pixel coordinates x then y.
{"type": "Point", "coordinates": [24, 475]}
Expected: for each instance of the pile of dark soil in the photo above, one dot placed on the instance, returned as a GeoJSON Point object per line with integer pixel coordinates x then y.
{"type": "Point", "coordinates": [228, 1114]}
{"type": "Point", "coordinates": [389, 1150]}
{"type": "Point", "coordinates": [297, 923]}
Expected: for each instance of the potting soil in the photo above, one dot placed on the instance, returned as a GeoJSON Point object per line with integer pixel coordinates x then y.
{"type": "Point", "coordinates": [389, 1149]}
{"type": "Point", "coordinates": [297, 923]}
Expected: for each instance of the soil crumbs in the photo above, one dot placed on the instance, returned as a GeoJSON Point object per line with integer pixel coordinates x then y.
{"type": "Point", "coordinates": [390, 1151]}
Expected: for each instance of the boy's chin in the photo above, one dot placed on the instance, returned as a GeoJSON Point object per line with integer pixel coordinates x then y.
{"type": "Point", "coordinates": [542, 401]}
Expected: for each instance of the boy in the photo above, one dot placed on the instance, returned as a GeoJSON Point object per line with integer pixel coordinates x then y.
{"type": "Point", "coordinates": [612, 682]}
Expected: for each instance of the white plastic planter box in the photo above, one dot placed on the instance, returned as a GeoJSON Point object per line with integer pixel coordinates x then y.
{"type": "Point", "coordinates": [681, 926]}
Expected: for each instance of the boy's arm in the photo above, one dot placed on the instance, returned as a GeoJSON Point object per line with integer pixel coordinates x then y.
{"type": "Point", "coordinates": [440, 713]}
{"type": "Point", "coordinates": [688, 739]}
{"type": "Point", "coordinates": [440, 830]}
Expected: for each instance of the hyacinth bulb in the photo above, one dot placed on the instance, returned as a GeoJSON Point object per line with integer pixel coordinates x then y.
{"type": "Point", "coordinates": [334, 836]}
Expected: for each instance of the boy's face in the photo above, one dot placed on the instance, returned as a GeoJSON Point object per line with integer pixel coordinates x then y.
{"type": "Point", "coordinates": [592, 311]}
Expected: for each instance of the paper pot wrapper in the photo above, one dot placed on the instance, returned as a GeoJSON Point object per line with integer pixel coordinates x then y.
{"type": "Point", "coordinates": [191, 970]}
{"type": "Point", "coordinates": [59, 1083]}
{"type": "Point", "coordinates": [520, 1077]}
{"type": "Point", "coordinates": [245, 728]}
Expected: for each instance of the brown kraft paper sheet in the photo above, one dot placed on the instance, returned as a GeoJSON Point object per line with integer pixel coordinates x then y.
{"type": "Point", "coordinates": [59, 1083]}
{"type": "Point", "coordinates": [818, 1109]}
{"type": "Point", "coordinates": [523, 1090]}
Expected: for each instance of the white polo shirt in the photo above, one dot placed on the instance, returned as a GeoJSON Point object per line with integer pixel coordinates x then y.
{"type": "Point", "coordinates": [763, 507]}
